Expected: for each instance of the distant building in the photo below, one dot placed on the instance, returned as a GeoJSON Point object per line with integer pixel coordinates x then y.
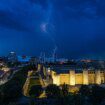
{"type": "Point", "coordinates": [52, 60]}
{"type": "Point", "coordinates": [27, 59]}
{"type": "Point", "coordinates": [12, 57]}
{"type": "Point", "coordinates": [24, 59]}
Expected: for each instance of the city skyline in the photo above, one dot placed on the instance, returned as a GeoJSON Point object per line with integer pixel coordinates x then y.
{"type": "Point", "coordinates": [75, 28]}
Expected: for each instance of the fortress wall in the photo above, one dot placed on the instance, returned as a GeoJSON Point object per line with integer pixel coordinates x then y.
{"type": "Point", "coordinates": [85, 77]}
{"type": "Point", "coordinates": [78, 78]}
{"type": "Point", "coordinates": [64, 78]}
{"type": "Point", "coordinates": [97, 77]}
{"type": "Point", "coordinates": [72, 77]}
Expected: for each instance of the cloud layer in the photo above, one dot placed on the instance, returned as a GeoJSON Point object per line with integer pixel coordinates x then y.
{"type": "Point", "coordinates": [76, 26]}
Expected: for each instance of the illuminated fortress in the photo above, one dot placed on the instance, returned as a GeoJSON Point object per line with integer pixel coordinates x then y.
{"type": "Point", "coordinates": [78, 78]}
{"type": "Point", "coordinates": [75, 76]}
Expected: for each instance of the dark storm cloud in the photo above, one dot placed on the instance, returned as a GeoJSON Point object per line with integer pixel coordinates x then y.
{"type": "Point", "coordinates": [81, 8]}
{"type": "Point", "coordinates": [83, 24]}
{"type": "Point", "coordinates": [20, 15]}
{"type": "Point", "coordinates": [43, 3]}
{"type": "Point", "coordinates": [25, 12]}
{"type": "Point", "coordinates": [6, 20]}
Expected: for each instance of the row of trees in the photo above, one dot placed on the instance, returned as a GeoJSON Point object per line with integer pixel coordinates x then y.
{"type": "Point", "coordinates": [87, 95]}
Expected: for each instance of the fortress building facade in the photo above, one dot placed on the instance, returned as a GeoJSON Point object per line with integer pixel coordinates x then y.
{"type": "Point", "coordinates": [75, 76]}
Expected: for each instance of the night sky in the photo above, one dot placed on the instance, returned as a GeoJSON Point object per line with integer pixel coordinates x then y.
{"type": "Point", "coordinates": [76, 28]}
